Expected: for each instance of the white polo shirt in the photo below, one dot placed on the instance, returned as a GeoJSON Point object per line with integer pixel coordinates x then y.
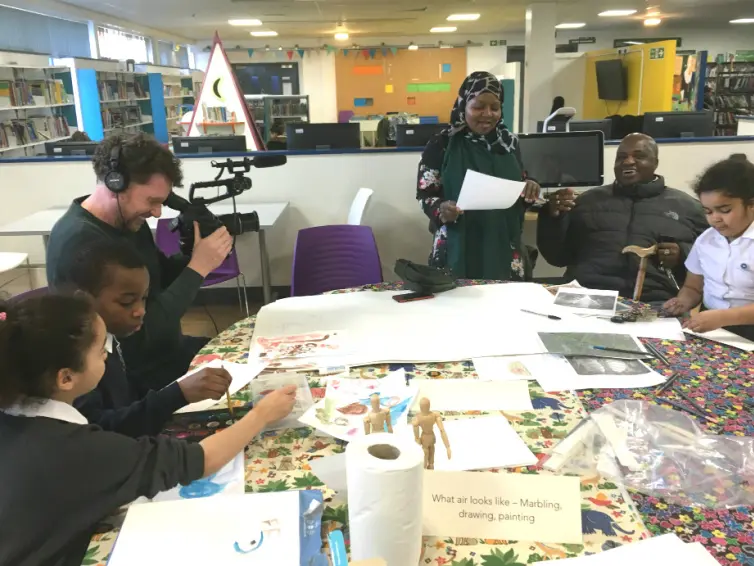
{"type": "Point", "coordinates": [727, 268]}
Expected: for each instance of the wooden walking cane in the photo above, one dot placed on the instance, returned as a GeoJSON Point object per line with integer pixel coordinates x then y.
{"type": "Point", "coordinates": [643, 254]}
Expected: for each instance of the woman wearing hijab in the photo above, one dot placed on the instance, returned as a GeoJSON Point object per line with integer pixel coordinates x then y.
{"type": "Point", "coordinates": [478, 244]}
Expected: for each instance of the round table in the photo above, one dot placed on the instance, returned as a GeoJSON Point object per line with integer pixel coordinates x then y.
{"type": "Point", "coordinates": [717, 376]}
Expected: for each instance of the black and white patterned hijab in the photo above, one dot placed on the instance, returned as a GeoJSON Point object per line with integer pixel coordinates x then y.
{"type": "Point", "coordinates": [501, 139]}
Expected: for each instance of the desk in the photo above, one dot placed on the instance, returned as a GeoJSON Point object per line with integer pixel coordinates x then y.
{"type": "Point", "coordinates": [279, 461]}
{"type": "Point", "coordinates": [711, 373]}
{"type": "Point", "coordinates": [40, 224]}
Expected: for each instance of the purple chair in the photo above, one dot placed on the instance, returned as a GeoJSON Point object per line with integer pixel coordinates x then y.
{"type": "Point", "coordinates": [334, 257]}
{"type": "Point", "coordinates": [170, 244]}
{"type": "Point", "coordinates": [38, 292]}
{"type": "Point", "coordinates": [344, 116]}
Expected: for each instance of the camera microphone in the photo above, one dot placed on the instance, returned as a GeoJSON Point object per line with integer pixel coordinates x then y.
{"type": "Point", "coordinates": [264, 161]}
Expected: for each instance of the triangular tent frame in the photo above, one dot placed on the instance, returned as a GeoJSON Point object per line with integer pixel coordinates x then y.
{"type": "Point", "coordinates": [213, 78]}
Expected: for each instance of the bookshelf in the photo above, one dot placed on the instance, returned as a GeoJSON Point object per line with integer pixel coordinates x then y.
{"type": "Point", "coordinates": [125, 101]}
{"type": "Point", "coordinates": [179, 98]}
{"type": "Point", "coordinates": [731, 93]}
{"type": "Point", "coordinates": [267, 108]}
{"type": "Point", "coordinates": [36, 106]}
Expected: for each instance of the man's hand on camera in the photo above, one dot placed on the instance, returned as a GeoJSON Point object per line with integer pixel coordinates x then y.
{"type": "Point", "coordinates": [210, 252]}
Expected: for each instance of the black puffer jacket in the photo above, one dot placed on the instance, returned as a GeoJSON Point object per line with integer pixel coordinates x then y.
{"type": "Point", "coordinates": [589, 239]}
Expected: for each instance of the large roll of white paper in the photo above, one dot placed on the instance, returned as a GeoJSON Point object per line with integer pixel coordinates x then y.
{"type": "Point", "coordinates": [384, 476]}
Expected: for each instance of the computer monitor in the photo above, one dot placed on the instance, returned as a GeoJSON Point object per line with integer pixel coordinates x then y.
{"type": "Point", "coordinates": [323, 136]}
{"type": "Point", "coordinates": [556, 124]}
{"type": "Point", "coordinates": [679, 124]}
{"type": "Point", "coordinates": [66, 148]}
{"type": "Point", "coordinates": [605, 126]}
{"type": "Point", "coordinates": [416, 135]}
{"type": "Point", "coordinates": [209, 144]}
{"type": "Point", "coordinates": [564, 159]}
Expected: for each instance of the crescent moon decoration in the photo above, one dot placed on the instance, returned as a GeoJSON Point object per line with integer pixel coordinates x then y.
{"type": "Point", "coordinates": [252, 545]}
{"type": "Point", "coordinates": [216, 88]}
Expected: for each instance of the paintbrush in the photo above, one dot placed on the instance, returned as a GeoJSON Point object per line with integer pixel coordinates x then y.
{"type": "Point", "coordinates": [230, 405]}
{"type": "Point", "coordinates": [657, 353]}
{"type": "Point", "coordinates": [668, 382]}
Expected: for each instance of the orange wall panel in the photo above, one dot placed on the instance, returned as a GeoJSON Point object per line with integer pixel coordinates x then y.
{"type": "Point", "coordinates": [400, 70]}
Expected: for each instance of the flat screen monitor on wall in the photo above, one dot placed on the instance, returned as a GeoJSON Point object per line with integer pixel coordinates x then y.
{"type": "Point", "coordinates": [679, 124]}
{"type": "Point", "coordinates": [567, 159]}
{"type": "Point", "coordinates": [611, 80]}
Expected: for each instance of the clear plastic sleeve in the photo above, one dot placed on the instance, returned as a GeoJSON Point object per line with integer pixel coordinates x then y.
{"type": "Point", "coordinates": [662, 453]}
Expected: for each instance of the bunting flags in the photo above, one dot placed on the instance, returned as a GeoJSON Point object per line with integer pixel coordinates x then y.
{"type": "Point", "coordinates": [367, 53]}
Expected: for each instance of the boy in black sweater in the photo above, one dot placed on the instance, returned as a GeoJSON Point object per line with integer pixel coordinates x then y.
{"type": "Point", "coordinates": [158, 353]}
{"type": "Point", "coordinates": [116, 276]}
{"type": "Point", "coordinates": [61, 475]}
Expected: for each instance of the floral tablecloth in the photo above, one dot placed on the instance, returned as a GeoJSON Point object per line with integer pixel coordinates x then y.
{"type": "Point", "coordinates": [711, 373]}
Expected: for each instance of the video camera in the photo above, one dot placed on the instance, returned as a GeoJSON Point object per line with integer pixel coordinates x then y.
{"type": "Point", "coordinates": [195, 208]}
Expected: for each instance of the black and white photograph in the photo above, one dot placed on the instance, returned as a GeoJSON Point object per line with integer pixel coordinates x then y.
{"type": "Point", "coordinates": [590, 300]}
{"type": "Point", "coordinates": [583, 365]}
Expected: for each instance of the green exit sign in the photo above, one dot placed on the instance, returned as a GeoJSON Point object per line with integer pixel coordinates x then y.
{"type": "Point", "coordinates": [657, 53]}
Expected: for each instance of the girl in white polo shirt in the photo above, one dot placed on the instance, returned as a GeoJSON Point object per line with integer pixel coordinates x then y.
{"type": "Point", "coordinates": [721, 264]}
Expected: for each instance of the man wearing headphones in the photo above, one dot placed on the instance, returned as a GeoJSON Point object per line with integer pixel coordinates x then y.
{"type": "Point", "coordinates": [135, 174]}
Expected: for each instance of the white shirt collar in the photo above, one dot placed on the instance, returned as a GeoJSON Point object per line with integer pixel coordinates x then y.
{"type": "Point", "coordinates": [109, 343]}
{"type": "Point", "coordinates": [749, 234]}
{"type": "Point", "coordinates": [47, 408]}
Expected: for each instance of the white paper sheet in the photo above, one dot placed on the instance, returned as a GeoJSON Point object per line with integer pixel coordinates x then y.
{"type": "Point", "coordinates": [250, 530]}
{"type": "Point", "coordinates": [474, 395]}
{"type": "Point", "coordinates": [505, 368]}
{"type": "Point", "coordinates": [485, 192]}
{"type": "Point", "coordinates": [479, 444]}
{"type": "Point", "coordinates": [556, 373]}
{"type": "Point", "coordinates": [726, 337]}
{"type": "Point", "coordinates": [591, 301]}
{"type": "Point", "coordinates": [242, 375]}
{"type": "Point", "coordinates": [381, 330]}
{"type": "Point", "coordinates": [230, 480]}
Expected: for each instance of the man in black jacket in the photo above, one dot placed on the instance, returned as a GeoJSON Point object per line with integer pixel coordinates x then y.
{"type": "Point", "coordinates": [586, 235]}
{"type": "Point", "coordinates": [158, 353]}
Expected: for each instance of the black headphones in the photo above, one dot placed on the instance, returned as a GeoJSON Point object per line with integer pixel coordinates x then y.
{"type": "Point", "coordinates": [115, 179]}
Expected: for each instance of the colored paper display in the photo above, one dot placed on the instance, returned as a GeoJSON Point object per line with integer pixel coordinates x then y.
{"type": "Point", "coordinates": [368, 70]}
{"type": "Point", "coordinates": [363, 101]}
{"type": "Point", "coordinates": [428, 87]}
{"type": "Point", "coordinates": [389, 89]}
{"type": "Point", "coordinates": [446, 67]}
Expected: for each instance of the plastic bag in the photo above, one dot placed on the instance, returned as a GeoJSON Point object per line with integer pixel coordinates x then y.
{"type": "Point", "coordinates": [662, 453]}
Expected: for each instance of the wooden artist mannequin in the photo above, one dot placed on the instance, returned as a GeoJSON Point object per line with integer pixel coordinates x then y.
{"type": "Point", "coordinates": [426, 421]}
{"type": "Point", "coordinates": [377, 418]}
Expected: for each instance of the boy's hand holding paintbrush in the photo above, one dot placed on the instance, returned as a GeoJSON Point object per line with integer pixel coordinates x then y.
{"type": "Point", "coordinates": [207, 383]}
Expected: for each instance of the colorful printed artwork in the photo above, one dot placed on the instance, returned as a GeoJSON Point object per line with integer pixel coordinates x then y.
{"type": "Point", "coordinates": [347, 401]}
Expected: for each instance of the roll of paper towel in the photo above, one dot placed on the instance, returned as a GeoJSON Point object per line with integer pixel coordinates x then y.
{"type": "Point", "coordinates": [384, 478]}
